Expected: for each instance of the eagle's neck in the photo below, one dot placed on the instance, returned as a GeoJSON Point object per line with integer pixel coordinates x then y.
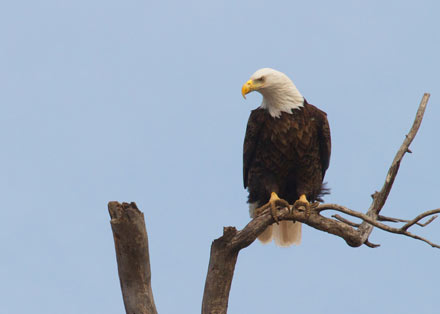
{"type": "Point", "coordinates": [281, 99]}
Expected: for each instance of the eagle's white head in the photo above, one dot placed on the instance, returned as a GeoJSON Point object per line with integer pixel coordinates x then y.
{"type": "Point", "coordinates": [279, 92]}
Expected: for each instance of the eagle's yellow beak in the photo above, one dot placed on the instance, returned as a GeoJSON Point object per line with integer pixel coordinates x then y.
{"type": "Point", "coordinates": [247, 88]}
{"type": "Point", "coordinates": [250, 86]}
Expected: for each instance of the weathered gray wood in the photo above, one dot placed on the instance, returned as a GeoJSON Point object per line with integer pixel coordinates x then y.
{"type": "Point", "coordinates": [224, 251]}
{"type": "Point", "coordinates": [220, 272]}
{"type": "Point", "coordinates": [132, 255]}
{"type": "Point", "coordinates": [379, 198]}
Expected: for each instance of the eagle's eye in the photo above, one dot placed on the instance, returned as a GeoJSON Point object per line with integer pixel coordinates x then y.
{"type": "Point", "coordinates": [261, 79]}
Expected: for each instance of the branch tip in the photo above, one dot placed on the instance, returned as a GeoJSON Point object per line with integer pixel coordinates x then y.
{"type": "Point", "coordinates": [371, 245]}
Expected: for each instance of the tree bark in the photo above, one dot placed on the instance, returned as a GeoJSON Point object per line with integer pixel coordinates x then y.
{"type": "Point", "coordinates": [220, 273]}
{"type": "Point", "coordinates": [132, 255]}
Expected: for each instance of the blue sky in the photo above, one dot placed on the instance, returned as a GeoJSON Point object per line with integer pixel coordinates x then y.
{"type": "Point", "coordinates": [140, 101]}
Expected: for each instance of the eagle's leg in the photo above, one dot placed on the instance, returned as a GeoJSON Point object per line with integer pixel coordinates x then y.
{"type": "Point", "coordinates": [302, 204]}
{"type": "Point", "coordinates": [274, 201]}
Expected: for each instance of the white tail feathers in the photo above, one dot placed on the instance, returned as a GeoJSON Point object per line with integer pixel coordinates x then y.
{"type": "Point", "coordinates": [285, 234]}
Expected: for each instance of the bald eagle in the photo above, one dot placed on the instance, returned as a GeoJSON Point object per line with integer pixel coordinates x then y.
{"type": "Point", "coordinates": [286, 152]}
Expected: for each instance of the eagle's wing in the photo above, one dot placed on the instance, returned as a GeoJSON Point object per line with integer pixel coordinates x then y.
{"type": "Point", "coordinates": [324, 142]}
{"type": "Point", "coordinates": [253, 129]}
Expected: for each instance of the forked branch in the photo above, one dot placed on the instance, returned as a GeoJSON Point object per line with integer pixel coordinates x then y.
{"type": "Point", "coordinates": [403, 230]}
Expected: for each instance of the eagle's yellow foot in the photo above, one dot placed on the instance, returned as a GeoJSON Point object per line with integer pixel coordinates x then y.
{"type": "Point", "coordinates": [302, 204]}
{"type": "Point", "coordinates": [273, 203]}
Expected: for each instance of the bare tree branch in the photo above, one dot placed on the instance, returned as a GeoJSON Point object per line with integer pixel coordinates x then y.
{"type": "Point", "coordinates": [224, 251]}
{"type": "Point", "coordinates": [348, 222]}
{"type": "Point", "coordinates": [391, 219]}
{"type": "Point", "coordinates": [365, 218]}
{"type": "Point", "coordinates": [372, 245]}
{"type": "Point", "coordinates": [421, 216]}
{"type": "Point", "coordinates": [220, 273]}
{"type": "Point", "coordinates": [131, 244]}
{"type": "Point", "coordinates": [379, 198]}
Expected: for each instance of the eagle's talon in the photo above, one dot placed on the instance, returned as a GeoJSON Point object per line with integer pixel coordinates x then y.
{"type": "Point", "coordinates": [273, 203]}
{"type": "Point", "coordinates": [283, 203]}
{"type": "Point", "coordinates": [273, 212]}
{"type": "Point", "coordinates": [302, 204]}
{"type": "Point", "coordinates": [302, 207]}
{"type": "Point", "coordinates": [258, 211]}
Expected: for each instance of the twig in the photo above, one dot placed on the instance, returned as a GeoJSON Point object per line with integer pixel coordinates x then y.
{"type": "Point", "coordinates": [427, 222]}
{"type": "Point", "coordinates": [368, 219]}
{"type": "Point", "coordinates": [372, 245]}
{"type": "Point", "coordinates": [421, 216]}
{"type": "Point", "coordinates": [392, 219]}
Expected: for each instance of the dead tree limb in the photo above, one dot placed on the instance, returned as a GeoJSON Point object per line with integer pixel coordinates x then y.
{"type": "Point", "coordinates": [391, 219]}
{"type": "Point", "coordinates": [379, 198]}
{"type": "Point", "coordinates": [132, 254]}
{"type": "Point", "coordinates": [224, 250]}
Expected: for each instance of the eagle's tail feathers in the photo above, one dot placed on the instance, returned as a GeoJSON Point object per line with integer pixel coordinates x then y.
{"type": "Point", "coordinates": [325, 190]}
{"type": "Point", "coordinates": [287, 233]}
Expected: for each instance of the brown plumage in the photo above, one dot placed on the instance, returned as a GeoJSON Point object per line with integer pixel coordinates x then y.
{"type": "Point", "coordinates": [288, 155]}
